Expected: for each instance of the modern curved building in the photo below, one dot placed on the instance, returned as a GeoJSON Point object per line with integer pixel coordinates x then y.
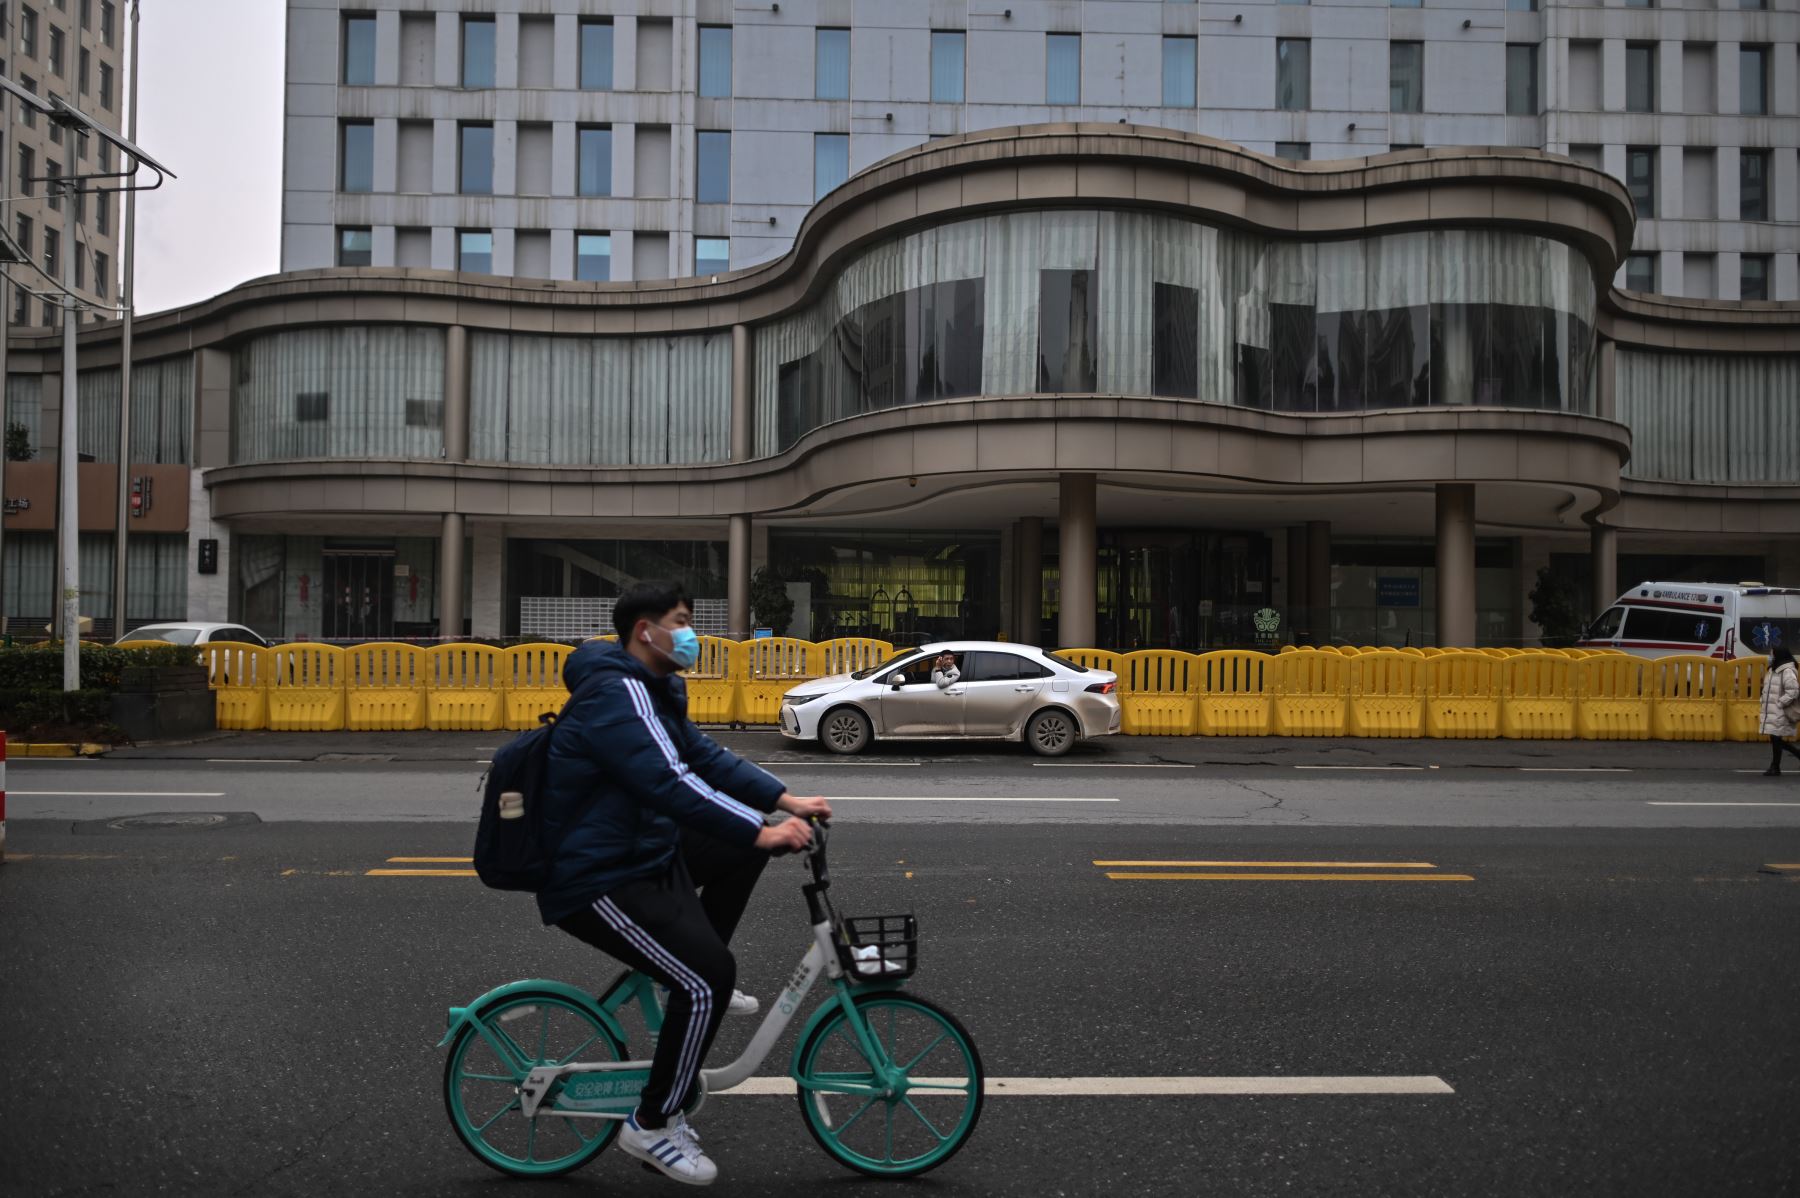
{"type": "Point", "coordinates": [1084, 384]}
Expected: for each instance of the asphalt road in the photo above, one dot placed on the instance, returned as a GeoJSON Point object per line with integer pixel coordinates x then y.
{"type": "Point", "coordinates": [239, 1007]}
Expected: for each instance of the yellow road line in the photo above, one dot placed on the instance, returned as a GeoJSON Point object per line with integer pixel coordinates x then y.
{"type": "Point", "coordinates": [430, 860]}
{"type": "Point", "coordinates": [1283, 864]}
{"type": "Point", "coordinates": [420, 873]}
{"type": "Point", "coordinates": [1130, 877]}
{"type": "Point", "coordinates": [1781, 867]}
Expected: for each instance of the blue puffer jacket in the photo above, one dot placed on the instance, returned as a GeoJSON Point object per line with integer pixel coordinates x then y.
{"type": "Point", "coordinates": [627, 771]}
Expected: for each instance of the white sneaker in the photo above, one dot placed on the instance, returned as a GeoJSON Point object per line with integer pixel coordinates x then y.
{"type": "Point", "coordinates": [674, 1151]}
{"type": "Point", "coordinates": [740, 1004]}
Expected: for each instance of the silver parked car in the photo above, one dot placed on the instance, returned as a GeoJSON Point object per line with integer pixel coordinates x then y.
{"type": "Point", "coordinates": [996, 691]}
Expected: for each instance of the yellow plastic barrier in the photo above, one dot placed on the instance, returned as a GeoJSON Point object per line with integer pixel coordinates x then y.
{"type": "Point", "coordinates": [1096, 659]}
{"type": "Point", "coordinates": [848, 654]}
{"type": "Point", "coordinates": [1463, 696]}
{"type": "Point", "coordinates": [1290, 649]}
{"type": "Point", "coordinates": [1432, 652]}
{"type": "Point", "coordinates": [1741, 681]}
{"type": "Point", "coordinates": [1312, 691]}
{"type": "Point", "coordinates": [1235, 693]}
{"type": "Point", "coordinates": [1537, 697]}
{"type": "Point", "coordinates": [306, 688]}
{"type": "Point", "coordinates": [1613, 697]}
{"type": "Point", "coordinates": [531, 676]}
{"type": "Point", "coordinates": [239, 677]}
{"type": "Point", "coordinates": [1387, 695]}
{"type": "Point", "coordinates": [463, 687]}
{"type": "Point", "coordinates": [1157, 689]}
{"type": "Point", "coordinates": [773, 666]}
{"type": "Point", "coordinates": [1411, 652]}
{"type": "Point", "coordinates": [1332, 649]}
{"type": "Point", "coordinates": [713, 683]}
{"type": "Point", "coordinates": [384, 687]}
{"type": "Point", "coordinates": [1687, 703]}
{"type": "Point", "coordinates": [1348, 650]}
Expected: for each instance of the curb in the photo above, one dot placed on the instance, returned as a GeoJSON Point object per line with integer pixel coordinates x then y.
{"type": "Point", "coordinates": [54, 749]}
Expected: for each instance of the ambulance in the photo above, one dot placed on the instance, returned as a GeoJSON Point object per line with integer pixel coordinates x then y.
{"type": "Point", "coordinates": [1722, 620]}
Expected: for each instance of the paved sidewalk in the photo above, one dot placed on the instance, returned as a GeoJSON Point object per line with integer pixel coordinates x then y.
{"type": "Point", "coordinates": [768, 745]}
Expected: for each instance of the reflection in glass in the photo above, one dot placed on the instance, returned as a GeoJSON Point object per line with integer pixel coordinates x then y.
{"type": "Point", "coordinates": [1175, 342]}
{"type": "Point", "coordinates": [715, 61]}
{"type": "Point", "coordinates": [478, 52]}
{"type": "Point", "coordinates": [713, 174]}
{"type": "Point", "coordinates": [596, 55]}
{"type": "Point", "coordinates": [947, 67]}
{"type": "Point", "coordinates": [1068, 324]}
{"type": "Point", "coordinates": [593, 257]}
{"type": "Point", "coordinates": [594, 158]}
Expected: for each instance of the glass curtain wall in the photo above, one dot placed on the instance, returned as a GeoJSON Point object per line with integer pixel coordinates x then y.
{"type": "Point", "coordinates": [600, 401]}
{"type": "Point", "coordinates": [339, 393]}
{"type": "Point", "coordinates": [1384, 593]}
{"type": "Point", "coordinates": [162, 412]}
{"type": "Point", "coordinates": [1128, 303]}
{"type": "Point", "coordinates": [1711, 418]}
{"type": "Point", "coordinates": [906, 588]}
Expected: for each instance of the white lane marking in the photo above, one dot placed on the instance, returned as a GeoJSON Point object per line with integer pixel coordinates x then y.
{"type": "Point", "coordinates": [118, 794]}
{"type": "Point", "coordinates": [957, 799]}
{"type": "Point", "coordinates": [1573, 769]}
{"type": "Point", "coordinates": [253, 761]}
{"type": "Point", "coordinates": [1146, 1087]}
{"type": "Point", "coordinates": [1110, 765]}
{"type": "Point", "coordinates": [807, 765]}
{"type": "Point", "coordinates": [1673, 803]}
{"type": "Point", "coordinates": [1366, 767]}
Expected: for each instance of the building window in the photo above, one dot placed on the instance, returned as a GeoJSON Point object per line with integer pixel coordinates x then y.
{"type": "Point", "coordinates": [1406, 4]}
{"type": "Point", "coordinates": [1062, 68]}
{"type": "Point", "coordinates": [23, 232]}
{"type": "Point", "coordinates": [1640, 77]}
{"type": "Point", "coordinates": [1753, 80]}
{"type": "Point", "coordinates": [1640, 179]}
{"type": "Point", "coordinates": [106, 86]}
{"type": "Point", "coordinates": [53, 172]}
{"type": "Point", "coordinates": [27, 32]}
{"type": "Point", "coordinates": [106, 21]}
{"type": "Point", "coordinates": [356, 247]}
{"type": "Point", "coordinates": [80, 271]}
{"type": "Point", "coordinates": [359, 50]}
{"type": "Point", "coordinates": [28, 114]}
{"type": "Point", "coordinates": [593, 257]}
{"type": "Point", "coordinates": [596, 55]}
{"type": "Point", "coordinates": [56, 50]}
{"type": "Point", "coordinates": [1756, 4]}
{"type": "Point", "coordinates": [27, 170]}
{"type": "Point", "coordinates": [712, 255]}
{"type": "Point", "coordinates": [103, 211]}
{"type": "Point", "coordinates": [1521, 80]}
{"type": "Point", "coordinates": [831, 64]}
{"type": "Point", "coordinates": [82, 70]}
{"type": "Point", "coordinates": [831, 162]}
{"type": "Point", "coordinates": [594, 152]}
{"type": "Point", "coordinates": [1068, 331]}
{"type": "Point", "coordinates": [1178, 68]}
{"type": "Point", "coordinates": [1753, 185]}
{"type": "Point", "coordinates": [477, 174]}
{"type": "Point", "coordinates": [478, 52]}
{"type": "Point", "coordinates": [947, 66]}
{"type": "Point", "coordinates": [1293, 74]}
{"type": "Point", "coordinates": [1406, 77]}
{"type": "Point", "coordinates": [1174, 341]}
{"type": "Point", "coordinates": [1522, 5]}
{"type": "Point", "coordinates": [358, 152]}
{"type": "Point", "coordinates": [715, 61]}
{"type": "Point", "coordinates": [51, 244]}
{"type": "Point", "coordinates": [1753, 277]}
{"type": "Point", "coordinates": [101, 275]}
{"type": "Point", "coordinates": [713, 169]}
{"type": "Point", "coordinates": [1640, 3]}
{"type": "Point", "coordinates": [21, 306]}
{"type": "Point", "coordinates": [47, 314]}
{"type": "Point", "coordinates": [1640, 272]}
{"type": "Point", "coordinates": [1293, 151]}
{"type": "Point", "coordinates": [475, 252]}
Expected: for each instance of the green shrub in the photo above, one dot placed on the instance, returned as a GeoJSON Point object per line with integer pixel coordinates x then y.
{"type": "Point", "coordinates": [102, 667]}
{"type": "Point", "coordinates": [48, 714]}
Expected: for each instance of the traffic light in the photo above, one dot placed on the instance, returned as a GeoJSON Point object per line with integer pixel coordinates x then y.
{"type": "Point", "coordinates": [140, 494]}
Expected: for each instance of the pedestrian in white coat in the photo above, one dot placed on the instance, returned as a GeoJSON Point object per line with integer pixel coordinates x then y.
{"type": "Point", "coordinates": [1780, 707]}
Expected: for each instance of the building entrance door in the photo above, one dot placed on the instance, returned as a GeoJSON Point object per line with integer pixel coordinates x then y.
{"type": "Point", "coordinates": [359, 594]}
{"type": "Point", "coordinates": [1180, 590]}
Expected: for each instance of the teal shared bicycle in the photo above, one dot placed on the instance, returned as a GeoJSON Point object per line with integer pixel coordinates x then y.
{"type": "Point", "coordinates": [539, 1077]}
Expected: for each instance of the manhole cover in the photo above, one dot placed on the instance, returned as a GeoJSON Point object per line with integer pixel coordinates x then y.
{"type": "Point", "coordinates": [173, 819]}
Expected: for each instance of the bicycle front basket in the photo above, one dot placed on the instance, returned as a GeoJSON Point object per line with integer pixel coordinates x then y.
{"type": "Point", "coordinates": [879, 947]}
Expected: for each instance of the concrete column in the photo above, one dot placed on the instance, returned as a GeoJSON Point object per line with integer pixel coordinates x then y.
{"type": "Point", "coordinates": [1079, 565]}
{"type": "Point", "coordinates": [1028, 587]}
{"type": "Point", "coordinates": [737, 584]}
{"type": "Point", "coordinates": [486, 601]}
{"type": "Point", "coordinates": [456, 393]}
{"type": "Point", "coordinates": [1318, 581]}
{"type": "Point", "coordinates": [1456, 565]}
{"type": "Point", "coordinates": [743, 396]}
{"type": "Point", "coordinates": [1603, 549]}
{"type": "Point", "coordinates": [1606, 382]}
{"type": "Point", "coordinates": [450, 577]}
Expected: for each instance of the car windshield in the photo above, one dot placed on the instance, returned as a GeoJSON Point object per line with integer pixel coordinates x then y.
{"type": "Point", "coordinates": [859, 675]}
{"type": "Point", "coordinates": [174, 636]}
{"type": "Point", "coordinates": [1066, 664]}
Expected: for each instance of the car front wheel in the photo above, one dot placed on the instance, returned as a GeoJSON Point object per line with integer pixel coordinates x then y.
{"type": "Point", "coordinates": [845, 731]}
{"type": "Point", "coordinates": [1051, 733]}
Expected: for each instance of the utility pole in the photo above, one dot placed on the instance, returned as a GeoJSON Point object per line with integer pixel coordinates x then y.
{"type": "Point", "coordinates": [7, 155]}
{"type": "Point", "coordinates": [128, 299]}
{"type": "Point", "coordinates": [68, 530]}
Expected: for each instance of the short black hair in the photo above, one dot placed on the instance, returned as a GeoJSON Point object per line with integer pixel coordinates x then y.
{"type": "Point", "coordinates": [1780, 656]}
{"type": "Point", "coordinates": [647, 601]}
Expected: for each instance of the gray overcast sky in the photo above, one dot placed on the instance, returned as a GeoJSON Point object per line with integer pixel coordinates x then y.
{"type": "Point", "coordinates": [211, 109]}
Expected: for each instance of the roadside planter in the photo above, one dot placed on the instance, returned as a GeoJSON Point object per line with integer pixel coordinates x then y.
{"type": "Point", "coordinates": [164, 702]}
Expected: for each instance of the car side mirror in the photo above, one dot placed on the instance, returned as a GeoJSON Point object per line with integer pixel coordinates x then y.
{"type": "Point", "coordinates": [897, 681]}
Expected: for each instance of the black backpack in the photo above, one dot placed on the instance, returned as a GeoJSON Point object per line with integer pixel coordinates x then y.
{"type": "Point", "coordinates": [510, 854]}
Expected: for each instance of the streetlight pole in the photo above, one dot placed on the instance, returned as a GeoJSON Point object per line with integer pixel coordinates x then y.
{"type": "Point", "coordinates": [68, 530]}
{"type": "Point", "coordinates": [128, 299]}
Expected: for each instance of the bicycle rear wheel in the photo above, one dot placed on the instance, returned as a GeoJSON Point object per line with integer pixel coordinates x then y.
{"type": "Point", "coordinates": [937, 1099]}
{"type": "Point", "coordinates": [481, 1086]}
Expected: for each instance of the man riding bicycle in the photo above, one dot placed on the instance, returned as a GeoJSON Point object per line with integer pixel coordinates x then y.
{"type": "Point", "coordinates": [642, 807]}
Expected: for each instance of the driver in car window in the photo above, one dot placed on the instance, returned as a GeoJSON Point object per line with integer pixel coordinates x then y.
{"type": "Point", "coordinates": [944, 673]}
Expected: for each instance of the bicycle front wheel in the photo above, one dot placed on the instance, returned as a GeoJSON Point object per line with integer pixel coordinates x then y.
{"type": "Point", "coordinates": [935, 1096]}
{"type": "Point", "coordinates": [481, 1086]}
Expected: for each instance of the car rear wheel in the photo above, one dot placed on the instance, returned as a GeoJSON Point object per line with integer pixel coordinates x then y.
{"type": "Point", "coordinates": [845, 731]}
{"type": "Point", "coordinates": [1051, 733]}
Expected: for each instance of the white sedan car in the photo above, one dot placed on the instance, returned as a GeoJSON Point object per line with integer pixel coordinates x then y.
{"type": "Point", "coordinates": [1000, 691]}
{"type": "Point", "coordinates": [195, 634]}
